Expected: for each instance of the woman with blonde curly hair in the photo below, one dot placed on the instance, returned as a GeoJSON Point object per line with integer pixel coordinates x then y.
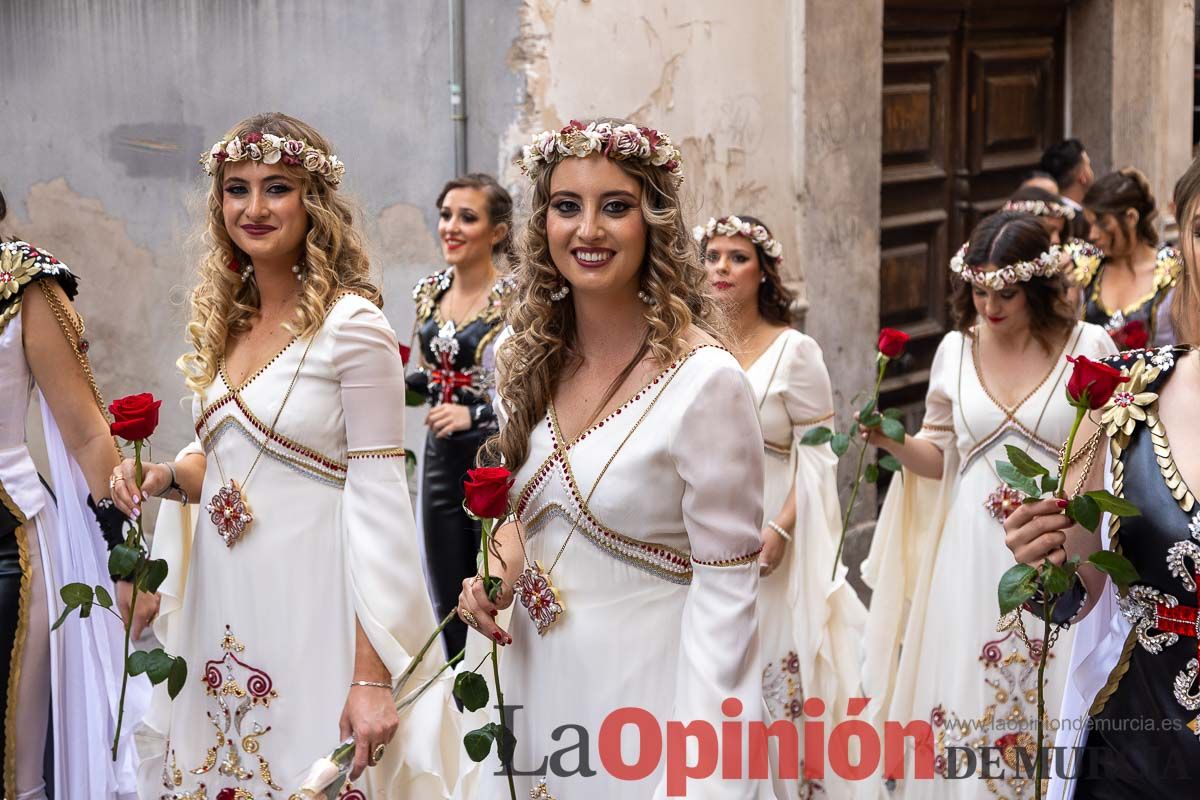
{"type": "Point", "coordinates": [638, 497]}
{"type": "Point", "coordinates": [297, 474]}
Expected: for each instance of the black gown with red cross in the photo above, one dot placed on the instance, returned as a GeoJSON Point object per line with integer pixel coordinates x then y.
{"type": "Point", "coordinates": [456, 366]}
{"type": "Point", "coordinates": [1143, 731]}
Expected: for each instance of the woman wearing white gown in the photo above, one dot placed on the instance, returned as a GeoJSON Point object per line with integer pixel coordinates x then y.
{"type": "Point", "coordinates": [810, 627]}
{"type": "Point", "coordinates": [933, 653]}
{"type": "Point", "coordinates": [297, 597]}
{"type": "Point", "coordinates": [636, 450]}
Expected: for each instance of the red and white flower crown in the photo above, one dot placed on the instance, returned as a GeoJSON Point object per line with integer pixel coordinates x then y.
{"type": "Point", "coordinates": [1075, 254]}
{"type": "Point", "coordinates": [736, 226]}
{"type": "Point", "coordinates": [1041, 208]}
{"type": "Point", "coordinates": [271, 149]}
{"type": "Point", "coordinates": [619, 142]}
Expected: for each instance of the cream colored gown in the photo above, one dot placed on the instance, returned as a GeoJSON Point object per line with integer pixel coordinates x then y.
{"type": "Point", "coordinates": [810, 626]}
{"type": "Point", "coordinates": [267, 625]}
{"type": "Point", "coordinates": [933, 651]}
{"type": "Point", "coordinates": [659, 582]}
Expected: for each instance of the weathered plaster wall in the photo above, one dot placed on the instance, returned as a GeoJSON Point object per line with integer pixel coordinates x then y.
{"type": "Point", "coordinates": [1131, 86]}
{"type": "Point", "coordinates": [105, 106]}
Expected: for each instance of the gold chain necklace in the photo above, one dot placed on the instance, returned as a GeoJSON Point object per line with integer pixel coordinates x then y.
{"type": "Point", "coordinates": [533, 587]}
{"type": "Point", "coordinates": [228, 509]}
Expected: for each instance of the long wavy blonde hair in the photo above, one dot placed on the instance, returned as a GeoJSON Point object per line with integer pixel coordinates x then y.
{"type": "Point", "coordinates": [543, 345]}
{"type": "Point", "coordinates": [335, 260]}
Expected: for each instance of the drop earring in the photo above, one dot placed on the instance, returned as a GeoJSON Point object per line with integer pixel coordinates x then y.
{"type": "Point", "coordinates": [245, 270]}
{"type": "Point", "coordinates": [561, 292]}
{"type": "Point", "coordinates": [646, 298]}
{"type": "Point", "coordinates": [299, 271]}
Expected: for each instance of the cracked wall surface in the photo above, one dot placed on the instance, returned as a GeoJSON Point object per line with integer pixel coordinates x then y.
{"type": "Point", "coordinates": [106, 107]}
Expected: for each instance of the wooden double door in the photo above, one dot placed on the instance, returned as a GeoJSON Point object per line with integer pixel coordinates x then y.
{"type": "Point", "coordinates": [972, 95]}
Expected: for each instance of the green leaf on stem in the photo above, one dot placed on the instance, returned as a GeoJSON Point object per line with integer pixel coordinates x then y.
{"type": "Point", "coordinates": [158, 665]}
{"type": "Point", "coordinates": [122, 561]}
{"type": "Point", "coordinates": [1049, 484]}
{"type": "Point", "coordinates": [1115, 566]}
{"type": "Point", "coordinates": [137, 661]}
{"type": "Point", "coordinates": [893, 429]}
{"type": "Point", "coordinates": [816, 436]}
{"type": "Point", "coordinates": [1017, 480]}
{"type": "Point", "coordinates": [871, 473]}
{"type": "Point", "coordinates": [1085, 511]}
{"type": "Point", "coordinates": [85, 610]}
{"type": "Point", "coordinates": [76, 594]}
{"type": "Point", "coordinates": [478, 743]}
{"type": "Point", "coordinates": [103, 598]}
{"type": "Point", "coordinates": [472, 690]}
{"type": "Point", "coordinates": [890, 463]}
{"type": "Point", "coordinates": [1117, 506]}
{"type": "Point", "coordinates": [868, 408]}
{"type": "Point", "coordinates": [62, 617]}
{"type": "Point", "coordinates": [1017, 585]}
{"type": "Point", "coordinates": [839, 444]}
{"type": "Point", "coordinates": [1024, 463]}
{"type": "Point", "coordinates": [153, 575]}
{"type": "Point", "coordinates": [506, 742]}
{"type": "Point", "coordinates": [871, 420]}
{"type": "Point", "coordinates": [893, 413]}
{"type": "Point", "coordinates": [177, 677]}
{"type": "Point", "coordinates": [1056, 579]}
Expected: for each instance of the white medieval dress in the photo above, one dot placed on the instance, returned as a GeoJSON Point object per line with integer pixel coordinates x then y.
{"type": "Point", "coordinates": [933, 650]}
{"type": "Point", "coordinates": [659, 584]}
{"type": "Point", "coordinates": [59, 542]}
{"type": "Point", "coordinates": [810, 626]}
{"type": "Point", "coordinates": [267, 625]}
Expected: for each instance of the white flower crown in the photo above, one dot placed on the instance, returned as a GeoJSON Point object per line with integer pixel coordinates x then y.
{"type": "Point", "coordinates": [736, 226]}
{"type": "Point", "coordinates": [620, 142]}
{"type": "Point", "coordinates": [1041, 208]}
{"type": "Point", "coordinates": [271, 149]}
{"type": "Point", "coordinates": [1075, 253]}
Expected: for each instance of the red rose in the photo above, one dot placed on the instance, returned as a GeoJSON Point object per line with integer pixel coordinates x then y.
{"type": "Point", "coordinates": [487, 491]}
{"type": "Point", "coordinates": [405, 353]}
{"type": "Point", "coordinates": [1132, 336]}
{"type": "Point", "coordinates": [252, 138]}
{"type": "Point", "coordinates": [1092, 383]}
{"type": "Point", "coordinates": [134, 417]}
{"type": "Point", "coordinates": [892, 341]}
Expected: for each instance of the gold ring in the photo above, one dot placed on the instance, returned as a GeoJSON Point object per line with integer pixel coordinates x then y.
{"type": "Point", "coordinates": [468, 617]}
{"type": "Point", "coordinates": [377, 754]}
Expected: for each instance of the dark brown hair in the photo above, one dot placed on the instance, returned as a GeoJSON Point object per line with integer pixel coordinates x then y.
{"type": "Point", "coordinates": [774, 299]}
{"type": "Point", "coordinates": [1120, 191]}
{"type": "Point", "coordinates": [1003, 239]}
{"type": "Point", "coordinates": [499, 206]}
{"type": "Point", "coordinates": [1061, 161]}
{"type": "Point", "coordinates": [1185, 302]}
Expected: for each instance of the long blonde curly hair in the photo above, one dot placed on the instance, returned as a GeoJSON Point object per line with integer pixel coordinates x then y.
{"type": "Point", "coordinates": [335, 260]}
{"type": "Point", "coordinates": [543, 346]}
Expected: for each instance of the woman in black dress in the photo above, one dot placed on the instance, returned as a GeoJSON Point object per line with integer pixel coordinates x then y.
{"type": "Point", "coordinates": [460, 311]}
{"type": "Point", "coordinates": [1131, 715]}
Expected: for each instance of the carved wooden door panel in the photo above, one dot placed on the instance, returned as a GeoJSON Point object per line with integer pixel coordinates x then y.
{"type": "Point", "coordinates": [972, 94]}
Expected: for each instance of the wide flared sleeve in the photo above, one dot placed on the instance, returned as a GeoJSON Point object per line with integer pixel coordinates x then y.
{"type": "Point", "coordinates": [827, 616]}
{"type": "Point", "coordinates": [716, 447]}
{"type": "Point", "coordinates": [906, 537]}
{"type": "Point", "coordinates": [382, 560]}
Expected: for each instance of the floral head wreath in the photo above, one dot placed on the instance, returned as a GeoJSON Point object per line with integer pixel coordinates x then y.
{"type": "Point", "coordinates": [1041, 208]}
{"type": "Point", "coordinates": [271, 149]}
{"type": "Point", "coordinates": [619, 142]}
{"type": "Point", "coordinates": [1074, 255]}
{"type": "Point", "coordinates": [736, 226]}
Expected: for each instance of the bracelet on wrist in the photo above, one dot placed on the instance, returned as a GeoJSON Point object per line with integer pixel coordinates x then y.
{"type": "Point", "coordinates": [787, 537]}
{"type": "Point", "coordinates": [373, 684]}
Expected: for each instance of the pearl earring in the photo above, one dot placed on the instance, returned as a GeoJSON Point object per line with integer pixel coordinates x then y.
{"type": "Point", "coordinates": [646, 298]}
{"type": "Point", "coordinates": [561, 292]}
{"type": "Point", "coordinates": [299, 271]}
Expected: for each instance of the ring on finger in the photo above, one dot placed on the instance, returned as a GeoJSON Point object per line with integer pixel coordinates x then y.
{"type": "Point", "coordinates": [468, 617]}
{"type": "Point", "coordinates": [376, 754]}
